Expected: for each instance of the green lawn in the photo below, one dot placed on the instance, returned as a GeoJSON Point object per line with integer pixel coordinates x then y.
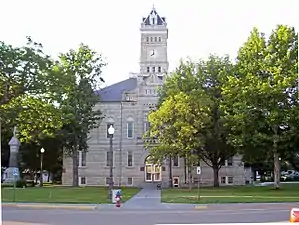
{"type": "Point", "coordinates": [241, 194]}
{"type": "Point", "coordinates": [87, 195]}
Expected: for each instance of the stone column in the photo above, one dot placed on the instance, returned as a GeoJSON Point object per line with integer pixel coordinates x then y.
{"type": "Point", "coordinates": [14, 145]}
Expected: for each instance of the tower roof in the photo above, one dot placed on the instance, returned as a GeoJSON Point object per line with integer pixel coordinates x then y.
{"type": "Point", "coordinates": [154, 18]}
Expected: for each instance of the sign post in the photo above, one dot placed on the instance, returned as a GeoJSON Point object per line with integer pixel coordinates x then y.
{"type": "Point", "coordinates": [198, 171]}
{"type": "Point", "coordinates": [15, 175]}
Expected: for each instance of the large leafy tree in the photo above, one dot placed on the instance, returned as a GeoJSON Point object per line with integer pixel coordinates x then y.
{"type": "Point", "coordinates": [261, 98]}
{"type": "Point", "coordinates": [25, 94]}
{"type": "Point", "coordinates": [189, 118]}
{"type": "Point", "coordinates": [82, 70]}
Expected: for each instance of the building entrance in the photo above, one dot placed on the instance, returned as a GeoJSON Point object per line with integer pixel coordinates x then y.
{"type": "Point", "coordinates": [152, 171]}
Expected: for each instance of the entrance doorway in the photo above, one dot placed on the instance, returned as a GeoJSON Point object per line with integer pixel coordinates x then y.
{"type": "Point", "coordinates": [152, 171]}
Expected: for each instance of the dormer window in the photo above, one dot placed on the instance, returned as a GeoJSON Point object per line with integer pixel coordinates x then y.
{"type": "Point", "coordinates": [153, 21]}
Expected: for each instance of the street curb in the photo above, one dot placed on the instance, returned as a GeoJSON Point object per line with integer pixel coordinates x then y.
{"type": "Point", "coordinates": [50, 206]}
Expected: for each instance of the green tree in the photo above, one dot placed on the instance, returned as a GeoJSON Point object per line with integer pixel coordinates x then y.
{"type": "Point", "coordinates": [261, 97]}
{"type": "Point", "coordinates": [25, 94]}
{"type": "Point", "coordinates": [82, 69]}
{"type": "Point", "coordinates": [189, 115]}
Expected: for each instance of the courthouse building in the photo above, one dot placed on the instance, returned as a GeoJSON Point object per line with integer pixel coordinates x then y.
{"type": "Point", "coordinates": [126, 105]}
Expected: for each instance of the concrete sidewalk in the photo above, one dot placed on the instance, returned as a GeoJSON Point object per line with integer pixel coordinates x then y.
{"type": "Point", "coordinates": [147, 198]}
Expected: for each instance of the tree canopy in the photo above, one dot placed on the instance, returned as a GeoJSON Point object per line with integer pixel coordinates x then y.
{"type": "Point", "coordinates": [189, 119]}
{"type": "Point", "coordinates": [261, 98]}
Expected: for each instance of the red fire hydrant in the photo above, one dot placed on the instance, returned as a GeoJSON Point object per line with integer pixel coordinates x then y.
{"type": "Point", "coordinates": [118, 199]}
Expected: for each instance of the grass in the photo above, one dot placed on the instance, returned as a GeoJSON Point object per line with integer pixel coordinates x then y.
{"type": "Point", "coordinates": [79, 195]}
{"type": "Point", "coordinates": [233, 194]}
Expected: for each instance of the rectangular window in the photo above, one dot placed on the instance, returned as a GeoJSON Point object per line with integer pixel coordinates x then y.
{"type": "Point", "coordinates": [130, 127]}
{"type": "Point", "coordinates": [159, 39]}
{"type": "Point", "coordinates": [155, 39]}
{"type": "Point", "coordinates": [151, 39]}
{"type": "Point", "coordinates": [82, 158]}
{"type": "Point", "coordinates": [147, 39]}
{"type": "Point", "coordinates": [223, 180]}
{"type": "Point", "coordinates": [82, 180]}
{"type": "Point", "coordinates": [108, 125]}
{"type": "Point", "coordinates": [159, 69]}
{"type": "Point", "coordinates": [176, 161]}
{"type": "Point", "coordinates": [230, 161]}
{"type": "Point", "coordinates": [154, 69]}
{"type": "Point", "coordinates": [146, 126]}
{"type": "Point", "coordinates": [130, 159]}
{"type": "Point", "coordinates": [147, 69]}
{"type": "Point", "coordinates": [109, 158]}
{"type": "Point", "coordinates": [108, 180]}
{"type": "Point", "coordinates": [230, 180]}
{"type": "Point", "coordinates": [130, 181]}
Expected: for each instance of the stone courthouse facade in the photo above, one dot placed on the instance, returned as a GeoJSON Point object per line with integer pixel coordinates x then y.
{"type": "Point", "coordinates": [126, 105]}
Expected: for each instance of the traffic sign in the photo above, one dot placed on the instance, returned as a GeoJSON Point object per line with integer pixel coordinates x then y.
{"type": "Point", "coordinates": [15, 172]}
{"type": "Point", "coordinates": [198, 170]}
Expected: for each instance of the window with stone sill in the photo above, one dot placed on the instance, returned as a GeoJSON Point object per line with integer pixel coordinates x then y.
{"type": "Point", "coordinates": [82, 158]}
{"type": "Point", "coordinates": [223, 180]}
{"type": "Point", "coordinates": [130, 159]}
{"type": "Point", "coordinates": [130, 181]}
{"type": "Point", "coordinates": [176, 161]}
{"type": "Point", "coordinates": [130, 129]}
{"type": "Point", "coordinates": [82, 180]}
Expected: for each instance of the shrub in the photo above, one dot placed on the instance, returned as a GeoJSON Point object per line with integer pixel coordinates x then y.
{"type": "Point", "coordinates": [8, 185]}
{"type": "Point", "coordinates": [21, 183]}
{"type": "Point", "coordinates": [30, 183]}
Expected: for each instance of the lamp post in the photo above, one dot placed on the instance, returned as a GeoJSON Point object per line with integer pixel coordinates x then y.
{"type": "Point", "coordinates": [111, 132]}
{"type": "Point", "coordinates": [41, 166]}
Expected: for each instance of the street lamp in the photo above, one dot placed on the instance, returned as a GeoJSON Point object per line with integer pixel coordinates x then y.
{"type": "Point", "coordinates": [42, 151]}
{"type": "Point", "coordinates": [111, 132]}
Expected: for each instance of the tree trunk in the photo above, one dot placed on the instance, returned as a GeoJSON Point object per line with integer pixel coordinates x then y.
{"type": "Point", "coordinates": [185, 170]}
{"type": "Point", "coordinates": [276, 171]}
{"type": "Point", "coordinates": [190, 176]}
{"type": "Point", "coordinates": [216, 176]}
{"type": "Point", "coordinates": [75, 169]}
{"type": "Point", "coordinates": [170, 172]}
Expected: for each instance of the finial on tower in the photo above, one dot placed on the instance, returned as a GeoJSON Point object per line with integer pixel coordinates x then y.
{"type": "Point", "coordinates": [153, 6]}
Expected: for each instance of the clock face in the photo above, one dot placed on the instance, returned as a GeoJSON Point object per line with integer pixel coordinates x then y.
{"type": "Point", "coordinates": [153, 53]}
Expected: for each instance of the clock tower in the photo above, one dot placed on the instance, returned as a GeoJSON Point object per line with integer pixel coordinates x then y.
{"type": "Point", "coordinates": [154, 35]}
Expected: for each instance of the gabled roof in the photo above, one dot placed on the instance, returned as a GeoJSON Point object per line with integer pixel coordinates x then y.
{"type": "Point", "coordinates": [153, 13]}
{"type": "Point", "coordinates": [113, 93]}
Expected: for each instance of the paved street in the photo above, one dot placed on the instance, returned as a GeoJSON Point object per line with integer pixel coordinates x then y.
{"type": "Point", "coordinates": [145, 217]}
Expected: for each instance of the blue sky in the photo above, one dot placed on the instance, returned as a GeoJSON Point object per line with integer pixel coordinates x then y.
{"type": "Point", "coordinates": [196, 27]}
